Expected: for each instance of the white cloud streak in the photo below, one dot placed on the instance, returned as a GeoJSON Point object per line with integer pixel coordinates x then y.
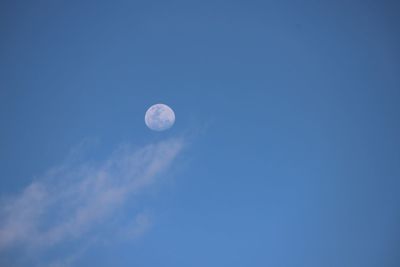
{"type": "Point", "coordinates": [80, 200]}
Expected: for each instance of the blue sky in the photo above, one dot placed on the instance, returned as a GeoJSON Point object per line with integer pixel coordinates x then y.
{"type": "Point", "coordinates": [285, 150]}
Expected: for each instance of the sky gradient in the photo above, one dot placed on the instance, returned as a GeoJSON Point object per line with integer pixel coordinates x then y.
{"type": "Point", "coordinates": [285, 150]}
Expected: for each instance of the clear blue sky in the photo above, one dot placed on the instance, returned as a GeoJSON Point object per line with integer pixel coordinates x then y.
{"type": "Point", "coordinates": [287, 111]}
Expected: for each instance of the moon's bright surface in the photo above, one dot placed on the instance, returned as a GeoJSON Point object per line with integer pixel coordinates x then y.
{"type": "Point", "coordinates": [159, 117]}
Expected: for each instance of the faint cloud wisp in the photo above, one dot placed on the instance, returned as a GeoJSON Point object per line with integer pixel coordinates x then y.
{"type": "Point", "coordinates": [81, 200]}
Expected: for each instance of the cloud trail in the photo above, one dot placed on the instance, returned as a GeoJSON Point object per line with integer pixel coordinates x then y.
{"type": "Point", "coordinates": [81, 200]}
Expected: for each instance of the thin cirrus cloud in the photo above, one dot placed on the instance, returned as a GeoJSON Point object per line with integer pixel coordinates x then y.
{"type": "Point", "coordinates": [84, 200]}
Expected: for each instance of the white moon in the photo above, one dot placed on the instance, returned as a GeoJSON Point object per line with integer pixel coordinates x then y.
{"type": "Point", "coordinates": [159, 117]}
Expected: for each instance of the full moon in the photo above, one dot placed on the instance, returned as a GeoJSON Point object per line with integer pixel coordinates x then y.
{"type": "Point", "coordinates": [159, 117]}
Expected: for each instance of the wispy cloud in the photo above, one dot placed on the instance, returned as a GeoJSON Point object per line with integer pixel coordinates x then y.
{"type": "Point", "coordinates": [82, 200]}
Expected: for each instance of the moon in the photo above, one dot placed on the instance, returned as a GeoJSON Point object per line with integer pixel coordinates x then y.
{"type": "Point", "coordinates": [159, 117]}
